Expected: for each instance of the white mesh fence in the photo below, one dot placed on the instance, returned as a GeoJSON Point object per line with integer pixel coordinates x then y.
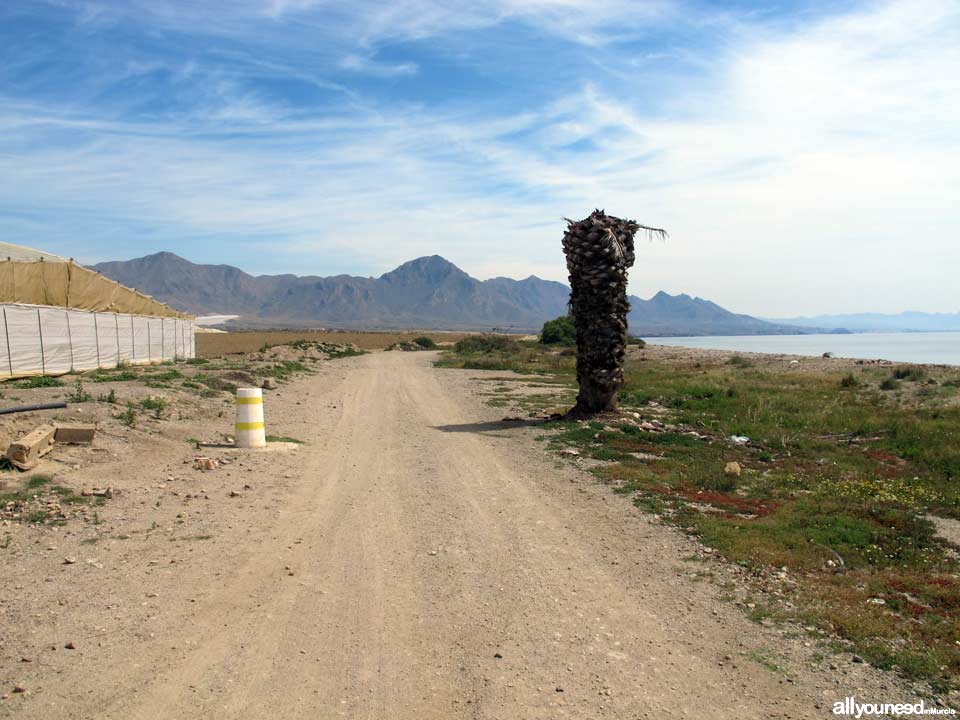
{"type": "Point", "coordinates": [39, 340]}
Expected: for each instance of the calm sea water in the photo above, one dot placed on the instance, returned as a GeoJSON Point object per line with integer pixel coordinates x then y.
{"type": "Point", "coordinates": [934, 348]}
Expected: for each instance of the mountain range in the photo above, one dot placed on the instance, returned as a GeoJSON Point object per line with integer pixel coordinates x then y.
{"type": "Point", "coordinates": [426, 293]}
{"type": "Point", "coordinates": [878, 322]}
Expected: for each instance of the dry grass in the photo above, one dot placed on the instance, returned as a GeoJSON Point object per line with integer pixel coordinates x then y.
{"type": "Point", "coordinates": [214, 345]}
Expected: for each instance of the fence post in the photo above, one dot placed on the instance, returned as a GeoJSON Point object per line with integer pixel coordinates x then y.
{"type": "Point", "coordinates": [43, 363]}
{"type": "Point", "coordinates": [96, 338]}
{"type": "Point", "coordinates": [69, 337]}
{"type": "Point", "coordinates": [6, 331]}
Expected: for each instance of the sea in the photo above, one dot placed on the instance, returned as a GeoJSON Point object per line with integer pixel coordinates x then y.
{"type": "Point", "coordinates": [930, 347]}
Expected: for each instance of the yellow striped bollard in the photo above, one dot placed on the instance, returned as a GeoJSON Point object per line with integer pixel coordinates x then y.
{"type": "Point", "coordinates": [250, 432]}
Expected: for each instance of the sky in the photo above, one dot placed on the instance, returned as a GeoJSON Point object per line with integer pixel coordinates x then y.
{"type": "Point", "coordinates": [804, 156]}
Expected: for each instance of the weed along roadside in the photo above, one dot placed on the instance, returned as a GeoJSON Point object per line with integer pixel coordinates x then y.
{"type": "Point", "coordinates": [822, 479]}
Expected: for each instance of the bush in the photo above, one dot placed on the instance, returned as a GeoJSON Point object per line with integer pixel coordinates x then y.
{"type": "Point", "coordinates": [425, 342]}
{"type": "Point", "coordinates": [559, 331]}
{"type": "Point", "coordinates": [849, 381]}
{"type": "Point", "coordinates": [79, 395]}
{"type": "Point", "coordinates": [638, 342]}
{"type": "Point", "coordinates": [912, 374]}
{"type": "Point", "coordinates": [41, 381]}
{"type": "Point", "coordinates": [484, 344]}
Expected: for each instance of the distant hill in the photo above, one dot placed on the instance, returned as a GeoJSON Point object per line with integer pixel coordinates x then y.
{"type": "Point", "coordinates": [429, 293]}
{"type": "Point", "coordinates": [877, 322]}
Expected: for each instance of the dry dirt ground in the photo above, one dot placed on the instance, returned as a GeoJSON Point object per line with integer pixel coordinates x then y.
{"type": "Point", "coordinates": [415, 559]}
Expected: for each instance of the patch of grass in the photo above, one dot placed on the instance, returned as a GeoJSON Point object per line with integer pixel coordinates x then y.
{"type": "Point", "coordinates": [110, 397]}
{"type": "Point", "coordinates": [740, 361]}
{"type": "Point", "coordinates": [119, 375]}
{"type": "Point", "coordinates": [167, 376]}
{"type": "Point", "coordinates": [835, 488]}
{"type": "Point", "coordinates": [36, 487]}
{"type": "Point", "coordinates": [499, 352]}
{"type": "Point", "coordinates": [38, 481]}
{"type": "Point", "coordinates": [285, 370]}
{"type": "Point", "coordinates": [849, 381]}
{"type": "Point", "coordinates": [766, 659]}
{"type": "Point", "coordinates": [40, 381]}
{"type": "Point", "coordinates": [284, 438]}
{"type": "Point", "coordinates": [910, 373]}
{"type": "Point", "coordinates": [484, 344]}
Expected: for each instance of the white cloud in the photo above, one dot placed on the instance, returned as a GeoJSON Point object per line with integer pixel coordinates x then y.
{"type": "Point", "coordinates": [370, 66]}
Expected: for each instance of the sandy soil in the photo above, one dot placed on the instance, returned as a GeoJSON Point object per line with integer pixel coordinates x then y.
{"type": "Point", "coordinates": [416, 559]}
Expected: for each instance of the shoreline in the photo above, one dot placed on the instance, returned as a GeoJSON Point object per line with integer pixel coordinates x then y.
{"type": "Point", "coordinates": [804, 363]}
{"type": "Point", "coordinates": [931, 349]}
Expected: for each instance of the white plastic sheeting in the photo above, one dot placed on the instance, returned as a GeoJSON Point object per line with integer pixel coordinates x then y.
{"type": "Point", "coordinates": [39, 340]}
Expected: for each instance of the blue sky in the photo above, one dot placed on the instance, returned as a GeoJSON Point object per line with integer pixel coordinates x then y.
{"type": "Point", "coordinates": [805, 156]}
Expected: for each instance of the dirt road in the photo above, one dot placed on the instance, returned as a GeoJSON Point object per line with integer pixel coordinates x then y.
{"type": "Point", "coordinates": [419, 561]}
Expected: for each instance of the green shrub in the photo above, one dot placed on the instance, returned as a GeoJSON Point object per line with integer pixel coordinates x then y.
{"type": "Point", "coordinates": [128, 417]}
{"type": "Point", "coordinates": [638, 342]}
{"type": "Point", "coordinates": [912, 374]}
{"type": "Point", "coordinates": [79, 395]}
{"type": "Point", "coordinates": [559, 331]}
{"type": "Point", "coordinates": [484, 344]}
{"type": "Point", "coordinates": [40, 381]}
{"type": "Point", "coordinates": [849, 381]}
{"type": "Point", "coordinates": [157, 404]}
{"type": "Point", "coordinates": [425, 342]}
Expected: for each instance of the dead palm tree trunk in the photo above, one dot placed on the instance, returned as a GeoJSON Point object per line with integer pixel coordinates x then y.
{"type": "Point", "coordinates": [599, 252]}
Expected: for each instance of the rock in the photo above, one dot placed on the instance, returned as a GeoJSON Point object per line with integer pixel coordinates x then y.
{"type": "Point", "coordinates": [570, 451]}
{"type": "Point", "coordinates": [269, 384]}
{"type": "Point", "coordinates": [827, 355]}
{"type": "Point", "coordinates": [857, 659]}
{"type": "Point", "coordinates": [234, 493]}
{"type": "Point", "coordinates": [69, 560]}
{"type": "Point", "coordinates": [205, 464]}
{"type": "Point", "coordinates": [732, 469]}
{"type": "Point", "coordinates": [19, 689]}
{"type": "Point", "coordinates": [97, 492]}
{"type": "Point", "coordinates": [70, 646]}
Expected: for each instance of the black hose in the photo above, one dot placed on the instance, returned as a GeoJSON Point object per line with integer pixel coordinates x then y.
{"type": "Point", "coordinates": [28, 408]}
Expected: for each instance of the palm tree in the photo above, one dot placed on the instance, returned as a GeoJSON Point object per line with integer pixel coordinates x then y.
{"type": "Point", "coordinates": [599, 252]}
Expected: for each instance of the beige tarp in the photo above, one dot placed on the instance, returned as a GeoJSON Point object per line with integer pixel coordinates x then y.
{"type": "Point", "coordinates": [66, 284]}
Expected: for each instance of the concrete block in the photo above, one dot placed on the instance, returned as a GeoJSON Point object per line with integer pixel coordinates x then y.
{"type": "Point", "coordinates": [26, 452]}
{"type": "Point", "coordinates": [75, 434]}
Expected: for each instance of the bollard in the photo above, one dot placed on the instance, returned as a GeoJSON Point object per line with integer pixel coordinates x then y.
{"type": "Point", "coordinates": [250, 432]}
